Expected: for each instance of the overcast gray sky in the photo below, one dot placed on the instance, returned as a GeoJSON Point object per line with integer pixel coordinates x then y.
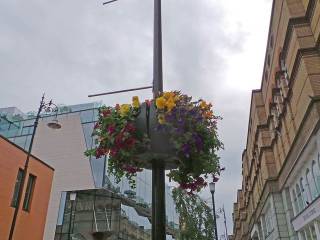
{"type": "Point", "coordinates": [211, 49]}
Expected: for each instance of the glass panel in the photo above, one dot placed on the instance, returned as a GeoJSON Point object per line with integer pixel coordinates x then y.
{"type": "Point", "coordinates": [87, 130]}
{"type": "Point", "coordinates": [20, 141]}
{"type": "Point", "coordinates": [61, 208]}
{"type": "Point", "coordinates": [86, 116]}
{"type": "Point", "coordinates": [98, 172]}
{"type": "Point", "coordinates": [28, 141]}
{"type": "Point", "coordinates": [27, 130]}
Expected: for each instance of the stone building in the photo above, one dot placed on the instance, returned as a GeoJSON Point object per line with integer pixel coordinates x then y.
{"type": "Point", "coordinates": [280, 194]}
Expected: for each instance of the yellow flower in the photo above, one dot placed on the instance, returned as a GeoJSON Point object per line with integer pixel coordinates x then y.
{"type": "Point", "coordinates": [203, 105]}
{"type": "Point", "coordinates": [160, 102]}
{"type": "Point", "coordinates": [168, 95]}
{"type": "Point", "coordinates": [124, 109]}
{"type": "Point", "coordinates": [161, 119]}
{"type": "Point", "coordinates": [170, 104]}
{"type": "Point", "coordinates": [135, 102]}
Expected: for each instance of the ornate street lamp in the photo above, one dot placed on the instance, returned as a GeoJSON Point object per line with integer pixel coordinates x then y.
{"type": "Point", "coordinates": [54, 124]}
{"type": "Point", "coordinates": [212, 187]}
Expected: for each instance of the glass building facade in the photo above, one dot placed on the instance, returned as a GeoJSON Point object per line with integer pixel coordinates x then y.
{"type": "Point", "coordinates": [18, 128]}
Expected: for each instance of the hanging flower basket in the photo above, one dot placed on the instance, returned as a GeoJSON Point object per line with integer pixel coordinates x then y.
{"type": "Point", "coordinates": [173, 129]}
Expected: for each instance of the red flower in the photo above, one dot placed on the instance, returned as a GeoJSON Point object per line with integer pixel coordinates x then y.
{"type": "Point", "coordinates": [130, 142]}
{"type": "Point", "coordinates": [113, 152]}
{"type": "Point", "coordinates": [100, 152]}
{"type": "Point", "coordinates": [130, 127]}
{"type": "Point", "coordinates": [111, 129]}
{"type": "Point", "coordinates": [106, 112]}
{"type": "Point", "coordinates": [119, 141]}
{"type": "Point", "coordinates": [97, 125]}
{"type": "Point", "coordinates": [131, 169]}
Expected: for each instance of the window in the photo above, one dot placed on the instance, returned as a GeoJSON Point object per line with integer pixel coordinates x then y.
{"type": "Point", "coordinates": [268, 60]}
{"type": "Point", "coordinates": [300, 200]}
{"type": "Point", "coordinates": [271, 41]}
{"type": "Point", "coordinates": [309, 183]}
{"type": "Point", "coordinates": [14, 201]}
{"type": "Point", "coordinates": [266, 75]}
{"type": "Point", "coordinates": [316, 178]}
{"type": "Point", "coordinates": [303, 192]}
{"type": "Point", "coordinates": [269, 221]}
{"type": "Point", "coordinates": [295, 201]}
{"type": "Point", "coordinates": [29, 193]}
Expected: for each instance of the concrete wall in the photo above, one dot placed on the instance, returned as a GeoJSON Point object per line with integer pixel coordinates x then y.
{"type": "Point", "coordinates": [63, 149]}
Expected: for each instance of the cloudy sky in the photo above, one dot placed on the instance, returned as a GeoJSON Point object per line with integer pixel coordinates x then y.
{"type": "Point", "coordinates": [68, 49]}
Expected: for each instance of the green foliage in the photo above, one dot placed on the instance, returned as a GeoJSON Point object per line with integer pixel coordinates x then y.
{"type": "Point", "coordinates": [196, 219]}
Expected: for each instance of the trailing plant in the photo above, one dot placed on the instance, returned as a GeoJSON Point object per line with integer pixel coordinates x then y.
{"type": "Point", "coordinates": [118, 138]}
{"type": "Point", "coordinates": [192, 128]}
{"type": "Point", "coordinates": [196, 219]}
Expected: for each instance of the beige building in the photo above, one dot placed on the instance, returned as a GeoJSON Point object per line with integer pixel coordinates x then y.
{"type": "Point", "coordinates": [280, 194]}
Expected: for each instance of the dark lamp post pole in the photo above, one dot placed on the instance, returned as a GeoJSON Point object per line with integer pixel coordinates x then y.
{"type": "Point", "coordinates": [212, 187]}
{"type": "Point", "coordinates": [158, 168]}
{"type": "Point", "coordinates": [54, 125]}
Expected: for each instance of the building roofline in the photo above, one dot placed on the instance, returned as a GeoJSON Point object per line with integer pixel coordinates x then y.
{"type": "Point", "coordinates": [267, 45]}
{"type": "Point", "coordinates": [20, 148]}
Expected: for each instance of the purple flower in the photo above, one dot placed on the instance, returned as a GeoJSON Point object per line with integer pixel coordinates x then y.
{"type": "Point", "coordinates": [186, 149]}
{"type": "Point", "coordinates": [198, 141]}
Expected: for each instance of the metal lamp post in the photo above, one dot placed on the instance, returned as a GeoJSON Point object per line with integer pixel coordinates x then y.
{"type": "Point", "coordinates": [212, 187]}
{"type": "Point", "coordinates": [54, 124]}
{"type": "Point", "coordinates": [158, 168]}
{"type": "Point", "coordinates": [73, 196]}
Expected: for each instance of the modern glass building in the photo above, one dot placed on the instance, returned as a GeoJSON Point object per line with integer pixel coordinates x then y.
{"type": "Point", "coordinates": [18, 127]}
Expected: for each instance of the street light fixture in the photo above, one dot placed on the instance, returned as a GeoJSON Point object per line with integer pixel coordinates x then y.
{"type": "Point", "coordinates": [212, 187]}
{"type": "Point", "coordinates": [54, 124]}
{"type": "Point", "coordinates": [72, 197]}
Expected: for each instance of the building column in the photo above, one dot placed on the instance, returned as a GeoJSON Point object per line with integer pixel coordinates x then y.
{"type": "Point", "coordinates": [317, 227]}
{"type": "Point", "coordinates": [263, 226]}
{"type": "Point", "coordinates": [260, 230]}
{"type": "Point", "coordinates": [295, 211]}
{"type": "Point", "coordinates": [301, 235]}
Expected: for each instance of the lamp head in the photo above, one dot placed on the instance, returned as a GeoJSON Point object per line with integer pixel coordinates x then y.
{"type": "Point", "coordinates": [54, 124]}
{"type": "Point", "coordinates": [212, 187]}
{"type": "Point", "coordinates": [73, 196]}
